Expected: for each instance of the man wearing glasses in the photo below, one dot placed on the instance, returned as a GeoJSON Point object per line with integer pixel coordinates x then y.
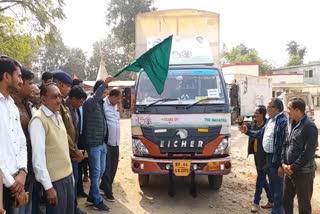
{"type": "Point", "coordinates": [273, 135]}
{"type": "Point", "coordinates": [50, 152]}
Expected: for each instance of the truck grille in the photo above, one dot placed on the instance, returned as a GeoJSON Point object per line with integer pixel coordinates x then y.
{"type": "Point", "coordinates": [181, 140]}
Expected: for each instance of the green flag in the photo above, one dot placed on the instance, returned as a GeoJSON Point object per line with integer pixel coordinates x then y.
{"type": "Point", "coordinates": [155, 62]}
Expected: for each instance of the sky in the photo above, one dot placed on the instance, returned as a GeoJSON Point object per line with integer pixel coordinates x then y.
{"type": "Point", "coordinates": [265, 25]}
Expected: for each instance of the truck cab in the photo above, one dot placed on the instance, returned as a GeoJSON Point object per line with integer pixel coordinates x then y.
{"type": "Point", "coordinates": [186, 129]}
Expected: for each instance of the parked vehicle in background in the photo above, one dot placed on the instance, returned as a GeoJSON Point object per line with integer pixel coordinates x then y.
{"type": "Point", "coordinates": [306, 96]}
{"type": "Point", "coordinates": [246, 92]}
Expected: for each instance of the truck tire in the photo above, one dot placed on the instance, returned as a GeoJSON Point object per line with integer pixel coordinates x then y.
{"type": "Point", "coordinates": [143, 180]}
{"type": "Point", "coordinates": [215, 181]}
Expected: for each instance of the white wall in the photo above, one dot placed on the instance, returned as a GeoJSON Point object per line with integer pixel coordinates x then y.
{"type": "Point", "coordinates": [287, 78]}
{"type": "Point", "coordinates": [252, 70]}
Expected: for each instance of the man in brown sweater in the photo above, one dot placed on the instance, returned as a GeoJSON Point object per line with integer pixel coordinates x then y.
{"type": "Point", "coordinates": [20, 98]}
{"type": "Point", "coordinates": [64, 82]}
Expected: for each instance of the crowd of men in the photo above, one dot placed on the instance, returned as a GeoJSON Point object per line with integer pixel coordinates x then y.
{"type": "Point", "coordinates": [47, 131]}
{"type": "Point", "coordinates": [49, 135]}
{"type": "Point", "coordinates": [284, 150]}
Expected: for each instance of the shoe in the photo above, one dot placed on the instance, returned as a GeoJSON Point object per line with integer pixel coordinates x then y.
{"type": "Point", "coordinates": [110, 198]}
{"type": "Point", "coordinates": [255, 208]}
{"type": "Point", "coordinates": [82, 195]}
{"type": "Point", "coordinates": [78, 211]}
{"type": "Point", "coordinates": [101, 206]}
{"type": "Point", "coordinates": [267, 206]}
{"type": "Point", "coordinates": [85, 178]}
{"type": "Point", "coordinates": [101, 187]}
{"type": "Point", "coordinates": [90, 201]}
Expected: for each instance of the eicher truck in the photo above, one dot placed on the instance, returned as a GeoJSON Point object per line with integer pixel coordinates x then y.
{"type": "Point", "coordinates": [185, 131]}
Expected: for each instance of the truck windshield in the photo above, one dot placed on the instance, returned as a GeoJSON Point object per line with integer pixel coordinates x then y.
{"type": "Point", "coordinates": [183, 87]}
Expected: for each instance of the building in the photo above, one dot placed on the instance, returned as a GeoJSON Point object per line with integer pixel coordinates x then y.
{"type": "Point", "coordinates": [301, 78]}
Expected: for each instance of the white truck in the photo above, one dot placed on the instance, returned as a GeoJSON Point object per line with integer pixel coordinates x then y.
{"type": "Point", "coordinates": [246, 92]}
{"type": "Point", "coordinates": [185, 131]}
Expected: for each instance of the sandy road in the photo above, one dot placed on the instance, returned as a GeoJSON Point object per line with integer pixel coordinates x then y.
{"type": "Point", "coordinates": [235, 195]}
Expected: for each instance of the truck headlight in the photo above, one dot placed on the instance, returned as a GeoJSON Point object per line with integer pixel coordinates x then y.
{"type": "Point", "coordinates": [138, 148]}
{"type": "Point", "coordinates": [223, 147]}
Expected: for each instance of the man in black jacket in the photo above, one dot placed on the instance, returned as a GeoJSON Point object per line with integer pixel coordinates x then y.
{"type": "Point", "coordinates": [255, 147]}
{"type": "Point", "coordinates": [298, 158]}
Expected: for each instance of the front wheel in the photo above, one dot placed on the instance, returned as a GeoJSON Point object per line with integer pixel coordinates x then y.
{"type": "Point", "coordinates": [143, 180]}
{"type": "Point", "coordinates": [215, 181]}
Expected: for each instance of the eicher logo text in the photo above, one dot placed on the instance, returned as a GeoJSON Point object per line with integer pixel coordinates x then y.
{"type": "Point", "coordinates": [181, 144]}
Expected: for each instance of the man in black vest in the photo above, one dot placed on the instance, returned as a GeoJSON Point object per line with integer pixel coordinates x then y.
{"type": "Point", "coordinates": [94, 135]}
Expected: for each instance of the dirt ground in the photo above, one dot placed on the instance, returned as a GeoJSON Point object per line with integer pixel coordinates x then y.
{"type": "Point", "coordinates": [235, 195]}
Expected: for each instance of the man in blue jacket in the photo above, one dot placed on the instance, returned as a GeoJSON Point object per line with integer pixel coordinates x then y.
{"type": "Point", "coordinates": [273, 135]}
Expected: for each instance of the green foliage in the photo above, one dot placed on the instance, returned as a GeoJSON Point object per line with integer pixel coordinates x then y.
{"type": "Point", "coordinates": [56, 56]}
{"type": "Point", "coordinates": [113, 54]}
{"type": "Point", "coordinates": [18, 45]}
{"type": "Point", "coordinates": [295, 60]}
{"type": "Point", "coordinates": [241, 53]}
{"type": "Point", "coordinates": [119, 46]}
{"type": "Point", "coordinates": [38, 16]}
{"type": "Point", "coordinates": [121, 17]}
{"type": "Point", "coordinates": [76, 63]}
{"type": "Point", "coordinates": [296, 53]}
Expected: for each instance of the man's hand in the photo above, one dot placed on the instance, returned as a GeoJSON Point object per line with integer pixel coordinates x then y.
{"type": "Point", "coordinates": [290, 171]}
{"type": "Point", "coordinates": [280, 171]}
{"type": "Point", "coordinates": [16, 188]}
{"type": "Point", "coordinates": [243, 129]}
{"type": "Point", "coordinates": [21, 199]}
{"type": "Point", "coordinates": [52, 196]}
{"type": "Point", "coordinates": [2, 211]}
{"type": "Point", "coordinates": [108, 80]}
{"type": "Point", "coordinates": [287, 169]}
{"type": "Point", "coordinates": [79, 157]}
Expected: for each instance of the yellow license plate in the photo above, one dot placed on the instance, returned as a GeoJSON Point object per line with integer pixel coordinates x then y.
{"type": "Point", "coordinates": [181, 167]}
{"type": "Point", "coordinates": [213, 166]}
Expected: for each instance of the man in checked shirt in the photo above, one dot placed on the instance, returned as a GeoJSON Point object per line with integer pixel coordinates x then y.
{"type": "Point", "coordinates": [273, 135]}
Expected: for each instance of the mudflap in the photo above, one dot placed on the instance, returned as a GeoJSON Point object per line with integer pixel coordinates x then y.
{"type": "Point", "coordinates": [172, 187]}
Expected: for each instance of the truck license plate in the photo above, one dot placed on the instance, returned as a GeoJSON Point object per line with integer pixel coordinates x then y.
{"type": "Point", "coordinates": [181, 167]}
{"type": "Point", "coordinates": [213, 166]}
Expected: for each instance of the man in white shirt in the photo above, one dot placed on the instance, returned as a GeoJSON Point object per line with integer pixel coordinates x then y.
{"type": "Point", "coordinates": [13, 142]}
{"type": "Point", "coordinates": [112, 116]}
{"type": "Point", "coordinates": [50, 152]}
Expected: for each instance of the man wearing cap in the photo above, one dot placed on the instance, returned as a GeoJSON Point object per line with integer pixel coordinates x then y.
{"type": "Point", "coordinates": [64, 82]}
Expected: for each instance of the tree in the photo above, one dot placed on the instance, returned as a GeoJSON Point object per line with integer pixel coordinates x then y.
{"type": "Point", "coordinates": [119, 46]}
{"type": "Point", "coordinates": [241, 53]}
{"type": "Point", "coordinates": [295, 60]}
{"type": "Point", "coordinates": [113, 54]}
{"type": "Point", "coordinates": [39, 15]}
{"type": "Point", "coordinates": [52, 56]}
{"type": "Point", "coordinates": [121, 17]}
{"type": "Point", "coordinates": [13, 43]}
{"type": "Point", "coordinates": [296, 53]}
{"type": "Point", "coordinates": [75, 63]}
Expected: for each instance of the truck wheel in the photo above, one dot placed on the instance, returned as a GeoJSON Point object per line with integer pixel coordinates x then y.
{"type": "Point", "coordinates": [143, 180]}
{"type": "Point", "coordinates": [215, 181]}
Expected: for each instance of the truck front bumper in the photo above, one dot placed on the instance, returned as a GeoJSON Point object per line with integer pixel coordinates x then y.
{"type": "Point", "coordinates": [213, 166]}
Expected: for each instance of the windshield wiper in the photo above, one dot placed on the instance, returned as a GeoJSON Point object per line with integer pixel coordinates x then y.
{"type": "Point", "coordinates": [205, 99]}
{"type": "Point", "coordinates": [160, 100]}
